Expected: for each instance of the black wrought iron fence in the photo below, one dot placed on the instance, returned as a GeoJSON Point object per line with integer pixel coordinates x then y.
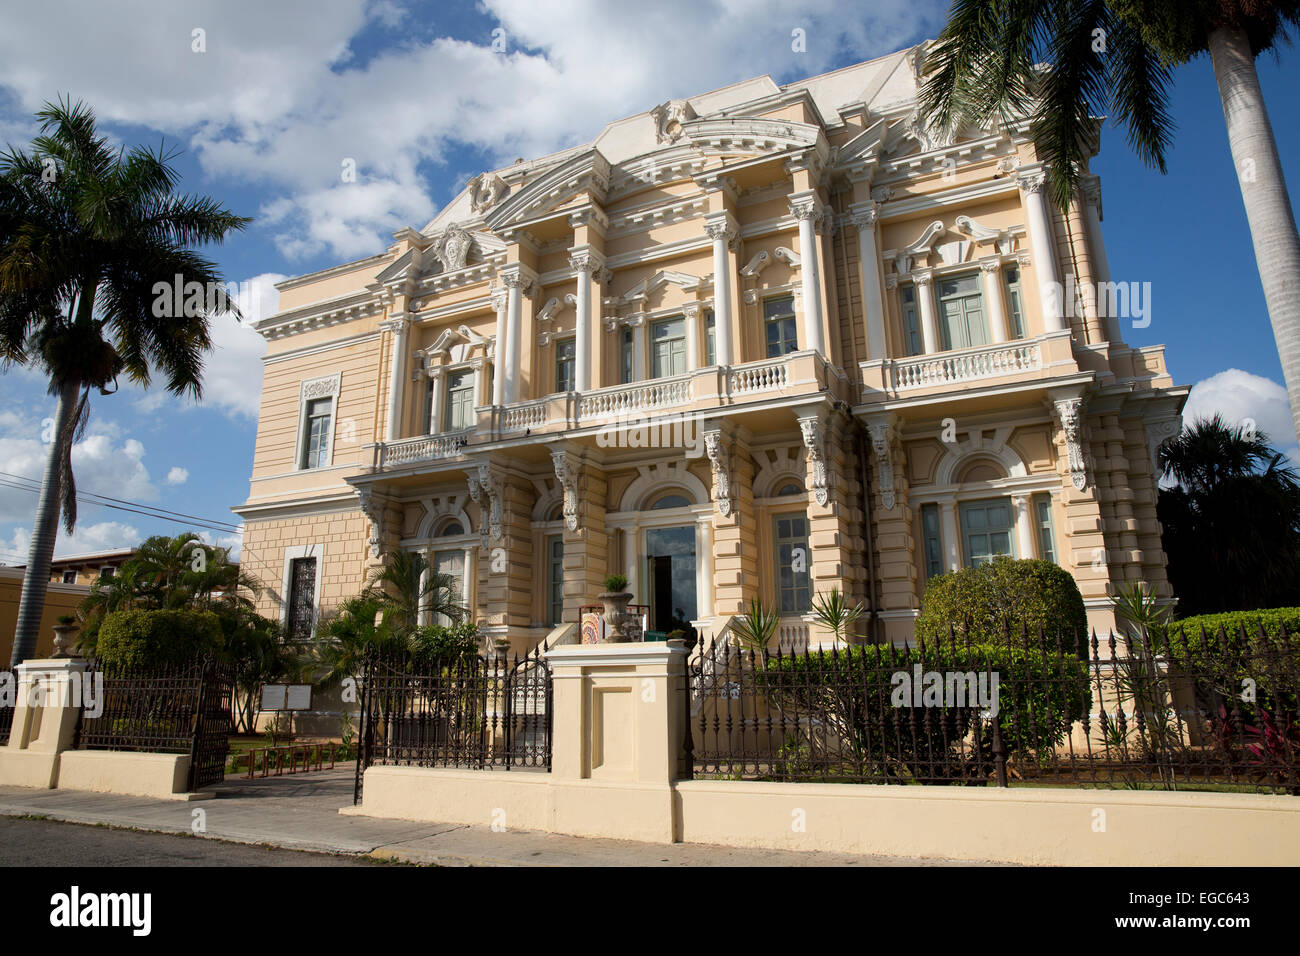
{"type": "Point", "coordinates": [176, 708]}
{"type": "Point", "coordinates": [8, 701]}
{"type": "Point", "coordinates": [470, 712]}
{"type": "Point", "coordinates": [1171, 711]}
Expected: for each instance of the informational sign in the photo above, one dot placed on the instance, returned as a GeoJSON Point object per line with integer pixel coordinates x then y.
{"type": "Point", "coordinates": [286, 696]}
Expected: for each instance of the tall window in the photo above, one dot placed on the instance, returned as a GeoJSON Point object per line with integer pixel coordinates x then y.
{"type": "Point", "coordinates": [792, 564]}
{"type": "Point", "coordinates": [710, 340]}
{"type": "Point", "coordinates": [565, 350]}
{"type": "Point", "coordinates": [987, 527]}
{"type": "Point", "coordinates": [781, 330]}
{"type": "Point", "coordinates": [627, 358]}
{"type": "Point", "coordinates": [933, 540]}
{"type": "Point", "coordinates": [1046, 536]}
{"type": "Point", "coordinates": [668, 340]}
{"type": "Point", "coordinates": [460, 401]}
{"type": "Point", "coordinates": [449, 566]}
{"type": "Point", "coordinates": [316, 433]}
{"type": "Point", "coordinates": [913, 340]}
{"type": "Point", "coordinates": [302, 597]}
{"type": "Point", "coordinates": [961, 312]}
{"type": "Point", "coordinates": [426, 414]}
{"type": "Point", "coordinates": [1015, 302]}
{"type": "Point", "coordinates": [554, 579]}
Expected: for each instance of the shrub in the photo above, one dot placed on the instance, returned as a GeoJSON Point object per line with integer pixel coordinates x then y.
{"type": "Point", "coordinates": [991, 599]}
{"type": "Point", "coordinates": [152, 638]}
{"type": "Point", "coordinates": [1222, 651]}
{"type": "Point", "coordinates": [616, 583]}
{"type": "Point", "coordinates": [1039, 696]}
{"type": "Point", "coordinates": [447, 643]}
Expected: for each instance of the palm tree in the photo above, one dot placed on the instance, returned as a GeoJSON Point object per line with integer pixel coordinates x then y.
{"type": "Point", "coordinates": [406, 587]}
{"type": "Point", "coordinates": [1231, 523]}
{"type": "Point", "coordinates": [86, 234]}
{"type": "Point", "coordinates": [1121, 54]}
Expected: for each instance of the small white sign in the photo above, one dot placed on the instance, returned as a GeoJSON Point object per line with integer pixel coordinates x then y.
{"type": "Point", "coordinates": [273, 696]}
{"type": "Point", "coordinates": [298, 697]}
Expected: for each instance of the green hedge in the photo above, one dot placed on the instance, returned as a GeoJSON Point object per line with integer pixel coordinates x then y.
{"type": "Point", "coordinates": [155, 638]}
{"type": "Point", "coordinates": [1039, 697]}
{"type": "Point", "coordinates": [1223, 663]}
{"type": "Point", "coordinates": [1004, 594]}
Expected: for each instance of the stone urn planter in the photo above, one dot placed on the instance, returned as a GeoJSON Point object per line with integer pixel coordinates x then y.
{"type": "Point", "coordinates": [65, 638]}
{"type": "Point", "coordinates": [616, 598]}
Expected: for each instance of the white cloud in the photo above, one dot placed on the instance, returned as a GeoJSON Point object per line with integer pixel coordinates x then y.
{"type": "Point", "coordinates": [277, 97]}
{"type": "Point", "coordinates": [178, 476]}
{"type": "Point", "coordinates": [232, 370]}
{"type": "Point", "coordinates": [1239, 396]}
{"type": "Point", "coordinates": [102, 536]}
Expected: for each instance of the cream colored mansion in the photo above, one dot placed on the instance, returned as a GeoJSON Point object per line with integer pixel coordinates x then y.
{"type": "Point", "coordinates": [764, 341]}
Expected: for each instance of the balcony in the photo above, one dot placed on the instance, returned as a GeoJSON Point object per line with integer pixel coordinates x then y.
{"type": "Point", "coordinates": [1007, 363]}
{"type": "Point", "coordinates": [790, 379]}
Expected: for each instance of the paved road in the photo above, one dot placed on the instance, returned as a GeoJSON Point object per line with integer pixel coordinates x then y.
{"type": "Point", "coordinates": [28, 842]}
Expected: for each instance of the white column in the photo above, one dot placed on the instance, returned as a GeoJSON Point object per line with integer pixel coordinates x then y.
{"type": "Point", "coordinates": [398, 326]}
{"type": "Point", "coordinates": [1100, 264]}
{"type": "Point", "coordinates": [514, 321]}
{"type": "Point", "coordinates": [951, 536]}
{"type": "Point", "coordinates": [584, 263]}
{"type": "Point", "coordinates": [631, 565]}
{"type": "Point", "coordinates": [808, 211]}
{"type": "Point", "coordinates": [992, 269]}
{"type": "Point", "coordinates": [640, 369]}
{"type": "Point", "coordinates": [924, 281]}
{"type": "Point", "coordinates": [873, 301]}
{"type": "Point", "coordinates": [722, 230]}
{"type": "Point", "coordinates": [499, 300]}
{"type": "Point", "coordinates": [691, 316]}
{"type": "Point", "coordinates": [1033, 185]}
{"type": "Point", "coordinates": [1024, 526]}
{"type": "Point", "coordinates": [436, 395]}
{"type": "Point", "coordinates": [704, 567]}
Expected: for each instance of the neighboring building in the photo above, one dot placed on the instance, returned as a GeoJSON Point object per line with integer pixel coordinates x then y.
{"type": "Point", "coordinates": [60, 599]}
{"type": "Point", "coordinates": [861, 324]}
{"type": "Point", "coordinates": [88, 568]}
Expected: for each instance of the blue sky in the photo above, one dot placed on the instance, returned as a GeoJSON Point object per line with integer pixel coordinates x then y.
{"type": "Point", "coordinates": [423, 96]}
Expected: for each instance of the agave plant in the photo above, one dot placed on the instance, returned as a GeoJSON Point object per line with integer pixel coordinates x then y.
{"type": "Point", "coordinates": [836, 614]}
{"type": "Point", "coordinates": [755, 628]}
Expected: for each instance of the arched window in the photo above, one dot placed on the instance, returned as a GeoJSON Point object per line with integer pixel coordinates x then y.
{"type": "Point", "coordinates": [671, 501]}
{"type": "Point", "coordinates": [451, 528]}
{"type": "Point", "coordinates": [789, 488]}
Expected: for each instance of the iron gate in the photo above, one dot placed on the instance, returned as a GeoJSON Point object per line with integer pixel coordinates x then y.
{"type": "Point", "coordinates": [471, 712]}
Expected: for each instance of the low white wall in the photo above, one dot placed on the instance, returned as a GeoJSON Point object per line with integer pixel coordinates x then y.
{"type": "Point", "coordinates": [110, 771]}
{"type": "Point", "coordinates": [1018, 825]}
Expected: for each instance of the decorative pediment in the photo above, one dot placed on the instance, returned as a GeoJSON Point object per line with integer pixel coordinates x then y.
{"type": "Point", "coordinates": [587, 172]}
{"type": "Point", "coordinates": [458, 345]}
{"type": "Point", "coordinates": [647, 287]}
{"type": "Point", "coordinates": [920, 247]}
{"type": "Point", "coordinates": [752, 135]}
{"type": "Point", "coordinates": [1002, 239]}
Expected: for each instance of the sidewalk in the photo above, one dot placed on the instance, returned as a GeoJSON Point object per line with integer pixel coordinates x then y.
{"type": "Point", "coordinates": [301, 813]}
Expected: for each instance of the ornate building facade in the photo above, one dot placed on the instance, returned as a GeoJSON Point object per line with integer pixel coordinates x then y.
{"type": "Point", "coordinates": [760, 342]}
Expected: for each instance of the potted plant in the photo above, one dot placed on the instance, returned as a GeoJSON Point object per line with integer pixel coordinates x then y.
{"type": "Point", "coordinates": [65, 631]}
{"type": "Point", "coordinates": [616, 599]}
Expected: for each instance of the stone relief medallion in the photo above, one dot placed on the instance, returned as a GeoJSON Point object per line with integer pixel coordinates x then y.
{"type": "Point", "coordinates": [486, 190]}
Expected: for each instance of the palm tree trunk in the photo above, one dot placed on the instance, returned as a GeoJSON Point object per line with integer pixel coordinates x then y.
{"type": "Point", "coordinates": [1263, 190]}
{"type": "Point", "coordinates": [45, 529]}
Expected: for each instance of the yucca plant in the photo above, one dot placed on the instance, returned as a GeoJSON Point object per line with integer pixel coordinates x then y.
{"type": "Point", "coordinates": [755, 628]}
{"type": "Point", "coordinates": [834, 612]}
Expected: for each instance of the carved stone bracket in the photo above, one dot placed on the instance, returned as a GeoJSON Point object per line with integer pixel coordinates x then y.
{"type": "Point", "coordinates": [719, 455]}
{"type": "Point", "coordinates": [813, 428]}
{"type": "Point", "coordinates": [1159, 434]}
{"type": "Point", "coordinates": [373, 508]}
{"type": "Point", "coordinates": [485, 490]}
{"type": "Point", "coordinates": [568, 472]}
{"type": "Point", "coordinates": [882, 446]}
{"type": "Point", "coordinates": [1069, 415]}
